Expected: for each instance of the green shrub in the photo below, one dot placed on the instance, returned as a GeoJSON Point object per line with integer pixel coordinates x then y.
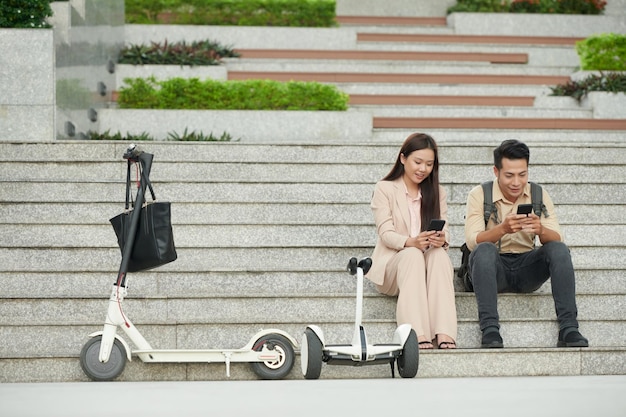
{"type": "Point", "coordinates": [194, 136]}
{"type": "Point", "coordinates": [24, 13]}
{"type": "Point", "coordinates": [580, 6]}
{"type": "Point", "coordinates": [141, 94]}
{"type": "Point", "coordinates": [179, 53]}
{"type": "Point", "coordinates": [611, 82]}
{"type": "Point", "coordinates": [306, 13]}
{"type": "Point", "coordinates": [171, 136]}
{"type": "Point", "coordinates": [603, 52]}
{"type": "Point", "coordinates": [107, 135]}
{"type": "Point", "coordinates": [530, 6]}
{"type": "Point", "coordinates": [193, 94]}
{"type": "Point", "coordinates": [534, 6]}
{"type": "Point", "coordinates": [480, 6]}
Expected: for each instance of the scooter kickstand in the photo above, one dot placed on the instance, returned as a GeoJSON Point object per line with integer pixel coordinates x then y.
{"type": "Point", "coordinates": [393, 371]}
{"type": "Point", "coordinates": [227, 362]}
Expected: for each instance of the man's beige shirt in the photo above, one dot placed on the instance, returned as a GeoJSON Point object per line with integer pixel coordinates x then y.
{"type": "Point", "coordinates": [519, 242]}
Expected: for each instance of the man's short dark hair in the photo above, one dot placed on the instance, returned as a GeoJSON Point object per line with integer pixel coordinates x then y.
{"type": "Point", "coordinates": [510, 149]}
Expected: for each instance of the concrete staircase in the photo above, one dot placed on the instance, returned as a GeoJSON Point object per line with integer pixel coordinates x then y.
{"type": "Point", "coordinates": [264, 230]}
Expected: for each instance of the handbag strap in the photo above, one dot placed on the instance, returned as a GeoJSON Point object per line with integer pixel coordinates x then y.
{"type": "Point", "coordinates": [142, 174]}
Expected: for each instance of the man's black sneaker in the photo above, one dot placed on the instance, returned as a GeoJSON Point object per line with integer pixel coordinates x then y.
{"type": "Point", "coordinates": [571, 337]}
{"type": "Point", "coordinates": [492, 339]}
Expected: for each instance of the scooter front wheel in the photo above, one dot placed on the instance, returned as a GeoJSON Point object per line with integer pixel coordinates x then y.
{"type": "Point", "coordinates": [274, 369]}
{"type": "Point", "coordinates": [96, 370]}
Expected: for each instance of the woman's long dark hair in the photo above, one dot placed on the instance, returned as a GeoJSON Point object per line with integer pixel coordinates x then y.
{"type": "Point", "coordinates": [430, 186]}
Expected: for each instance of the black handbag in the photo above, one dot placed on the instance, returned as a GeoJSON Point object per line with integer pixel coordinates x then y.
{"type": "Point", "coordinates": [154, 241]}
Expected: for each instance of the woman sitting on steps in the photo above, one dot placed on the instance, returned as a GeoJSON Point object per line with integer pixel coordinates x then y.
{"type": "Point", "coordinates": [410, 261]}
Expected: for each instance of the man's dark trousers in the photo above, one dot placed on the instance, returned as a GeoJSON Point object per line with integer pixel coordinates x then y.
{"type": "Point", "coordinates": [492, 273]}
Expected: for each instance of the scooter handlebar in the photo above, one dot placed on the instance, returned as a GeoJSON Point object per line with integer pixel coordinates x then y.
{"type": "Point", "coordinates": [133, 152]}
{"type": "Point", "coordinates": [365, 264]}
{"type": "Point", "coordinates": [352, 266]}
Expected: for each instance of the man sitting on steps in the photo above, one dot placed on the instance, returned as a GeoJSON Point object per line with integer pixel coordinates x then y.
{"type": "Point", "coordinates": [504, 257]}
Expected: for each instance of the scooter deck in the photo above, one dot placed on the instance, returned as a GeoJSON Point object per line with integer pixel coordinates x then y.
{"type": "Point", "coordinates": [207, 355]}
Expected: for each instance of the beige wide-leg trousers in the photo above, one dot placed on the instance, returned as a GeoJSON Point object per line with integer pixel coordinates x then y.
{"type": "Point", "coordinates": [425, 290]}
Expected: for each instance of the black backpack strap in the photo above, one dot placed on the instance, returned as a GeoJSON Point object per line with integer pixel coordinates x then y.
{"type": "Point", "coordinates": [536, 195]}
{"type": "Point", "coordinates": [488, 207]}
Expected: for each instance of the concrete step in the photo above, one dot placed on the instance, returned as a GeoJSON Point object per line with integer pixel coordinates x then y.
{"type": "Point", "coordinates": [317, 213]}
{"type": "Point", "coordinates": [565, 193]}
{"type": "Point", "coordinates": [255, 236]}
{"type": "Point", "coordinates": [533, 56]}
{"type": "Point", "coordinates": [553, 56]}
{"type": "Point", "coordinates": [482, 113]}
{"type": "Point", "coordinates": [421, 75]}
{"type": "Point", "coordinates": [199, 284]}
{"type": "Point", "coordinates": [290, 54]}
{"type": "Point", "coordinates": [428, 72]}
{"type": "Point", "coordinates": [466, 153]}
{"type": "Point", "coordinates": [264, 259]}
{"type": "Point", "coordinates": [531, 137]}
{"type": "Point", "coordinates": [355, 172]}
{"type": "Point", "coordinates": [379, 100]}
{"type": "Point", "coordinates": [447, 39]}
{"type": "Point", "coordinates": [24, 341]}
{"type": "Point", "coordinates": [286, 307]}
{"type": "Point", "coordinates": [433, 364]}
{"type": "Point", "coordinates": [527, 90]}
{"type": "Point", "coordinates": [497, 123]}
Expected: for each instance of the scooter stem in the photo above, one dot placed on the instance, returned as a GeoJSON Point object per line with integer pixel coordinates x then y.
{"type": "Point", "coordinates": [356, 339]}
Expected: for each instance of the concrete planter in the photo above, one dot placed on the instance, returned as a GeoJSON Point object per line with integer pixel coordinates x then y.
{"type": "Point", "coordinates": [581, 75]}
{"type": "Point", "coordinates": [602, 105]}
{"type": "Point", "coordinates": [27, 83]}
{"type": "Point", "coordinates": [165, 72]}
{"type": "Point", "coordinates": [245, 37]}
{"type": "Point", "coordinates": [606, 105]}
{"type": "Point", "coordinates": [533, 24]}
{"type": "Point", "coordinates": [401, 8]}
{"type": "Point", "coordinates": [247, 126]}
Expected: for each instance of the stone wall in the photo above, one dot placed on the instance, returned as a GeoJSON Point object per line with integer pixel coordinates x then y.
{"type": "Point", "coordinates": [27, 84]}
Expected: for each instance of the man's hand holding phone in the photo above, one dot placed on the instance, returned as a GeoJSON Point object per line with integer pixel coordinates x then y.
{"type": "Point", "coordinates": [525, 209]}
{"type": "Point", "coordinates": [520, 220]}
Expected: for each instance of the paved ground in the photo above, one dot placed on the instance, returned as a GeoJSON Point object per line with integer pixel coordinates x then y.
{"type": "Point", "coordinates": [603, 396]}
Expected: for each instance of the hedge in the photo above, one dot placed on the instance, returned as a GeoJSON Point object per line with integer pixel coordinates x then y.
{"type": "Point", "coordinates": [193, 94]}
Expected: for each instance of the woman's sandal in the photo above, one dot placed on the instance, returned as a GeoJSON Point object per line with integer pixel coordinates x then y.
{"type": "Point", "coordinates": [447, 345]}
{"type": "Point", "coordinates": [425, 344]}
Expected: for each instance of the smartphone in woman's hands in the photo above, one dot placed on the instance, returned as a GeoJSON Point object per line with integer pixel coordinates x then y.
{"type": "Point", "coordinates": [436, 224]}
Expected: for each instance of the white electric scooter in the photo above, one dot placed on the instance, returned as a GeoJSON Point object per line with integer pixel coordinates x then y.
{"type": "Point", "coordinates": [403, 349]}
{"type": "Point", "coordinates": [104, 356]}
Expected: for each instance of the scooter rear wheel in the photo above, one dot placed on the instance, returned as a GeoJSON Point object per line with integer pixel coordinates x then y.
{"type": "Point", "coordinates": [96, 370]}
{"type": "Point", "coordinates": [311, 355]}
{"type": "Point", "coordinates": [276, 369]}
{"type": "Point", "coordinates": [408, 361]}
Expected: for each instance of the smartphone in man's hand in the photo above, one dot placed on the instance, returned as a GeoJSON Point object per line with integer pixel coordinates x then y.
{"type": "Point", "coordinates": [524, 209]}
{"type": "Point", "coordinates": [436, 224]}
